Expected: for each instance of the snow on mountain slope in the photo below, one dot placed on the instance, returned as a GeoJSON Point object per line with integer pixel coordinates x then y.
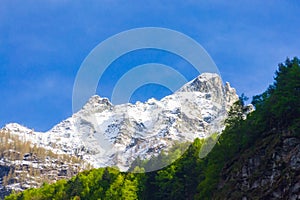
{"type": "Point", "coordinates": [115, 135]}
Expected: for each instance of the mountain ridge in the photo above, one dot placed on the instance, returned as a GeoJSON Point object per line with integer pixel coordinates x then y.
{"type": "Point", "coordinates": [115, 135]}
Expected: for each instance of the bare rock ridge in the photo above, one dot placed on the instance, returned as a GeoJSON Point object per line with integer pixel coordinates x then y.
{"type": "Point", "coordinates": [115, 135]}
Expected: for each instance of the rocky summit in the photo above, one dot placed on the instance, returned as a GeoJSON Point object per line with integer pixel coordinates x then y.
{"type": "Point", "coordinates": [115, 135]}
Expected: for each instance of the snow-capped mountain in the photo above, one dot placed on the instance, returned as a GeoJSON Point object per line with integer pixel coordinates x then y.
{"type": "Point", "coordinates": [115, 135]}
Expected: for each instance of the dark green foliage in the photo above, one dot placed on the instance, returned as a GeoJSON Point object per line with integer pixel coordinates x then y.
{"type": "Point", "coordinates": [191, 177]}
{"type": "Point", "coordinates": [179, 180]}
{"type": "Point", "coordinates": [279, 106]}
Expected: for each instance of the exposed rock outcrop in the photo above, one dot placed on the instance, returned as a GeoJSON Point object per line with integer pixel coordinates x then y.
{"type": "Point", "coordinates": [268, 170]}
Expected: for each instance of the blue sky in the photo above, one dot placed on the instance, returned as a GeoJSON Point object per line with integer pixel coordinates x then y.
{"type": "Point", "coordinates": [43, 43]}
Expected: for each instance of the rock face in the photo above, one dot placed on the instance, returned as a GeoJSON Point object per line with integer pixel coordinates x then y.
{"type": "Point", "coordinates": [269, 170]}
{"type": "Point", "coordinates": [115, 135]}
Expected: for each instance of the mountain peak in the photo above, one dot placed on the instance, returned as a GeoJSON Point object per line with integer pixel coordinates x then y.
{"type": "Point", "coordinates": [97, 99]}
{"type": "Point", "coordinates": [96, 102]}
{"type": "Point", "coordinates": [16, 128]}
{"type": "Point", "coordinates": [203, 83]}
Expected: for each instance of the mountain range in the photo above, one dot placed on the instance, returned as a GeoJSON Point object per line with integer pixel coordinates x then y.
{"type": "Point", "coordinates": [104, 135]}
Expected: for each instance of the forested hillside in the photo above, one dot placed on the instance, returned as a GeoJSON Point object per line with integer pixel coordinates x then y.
{"type": "Point", "coordinates": [257, 157]}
